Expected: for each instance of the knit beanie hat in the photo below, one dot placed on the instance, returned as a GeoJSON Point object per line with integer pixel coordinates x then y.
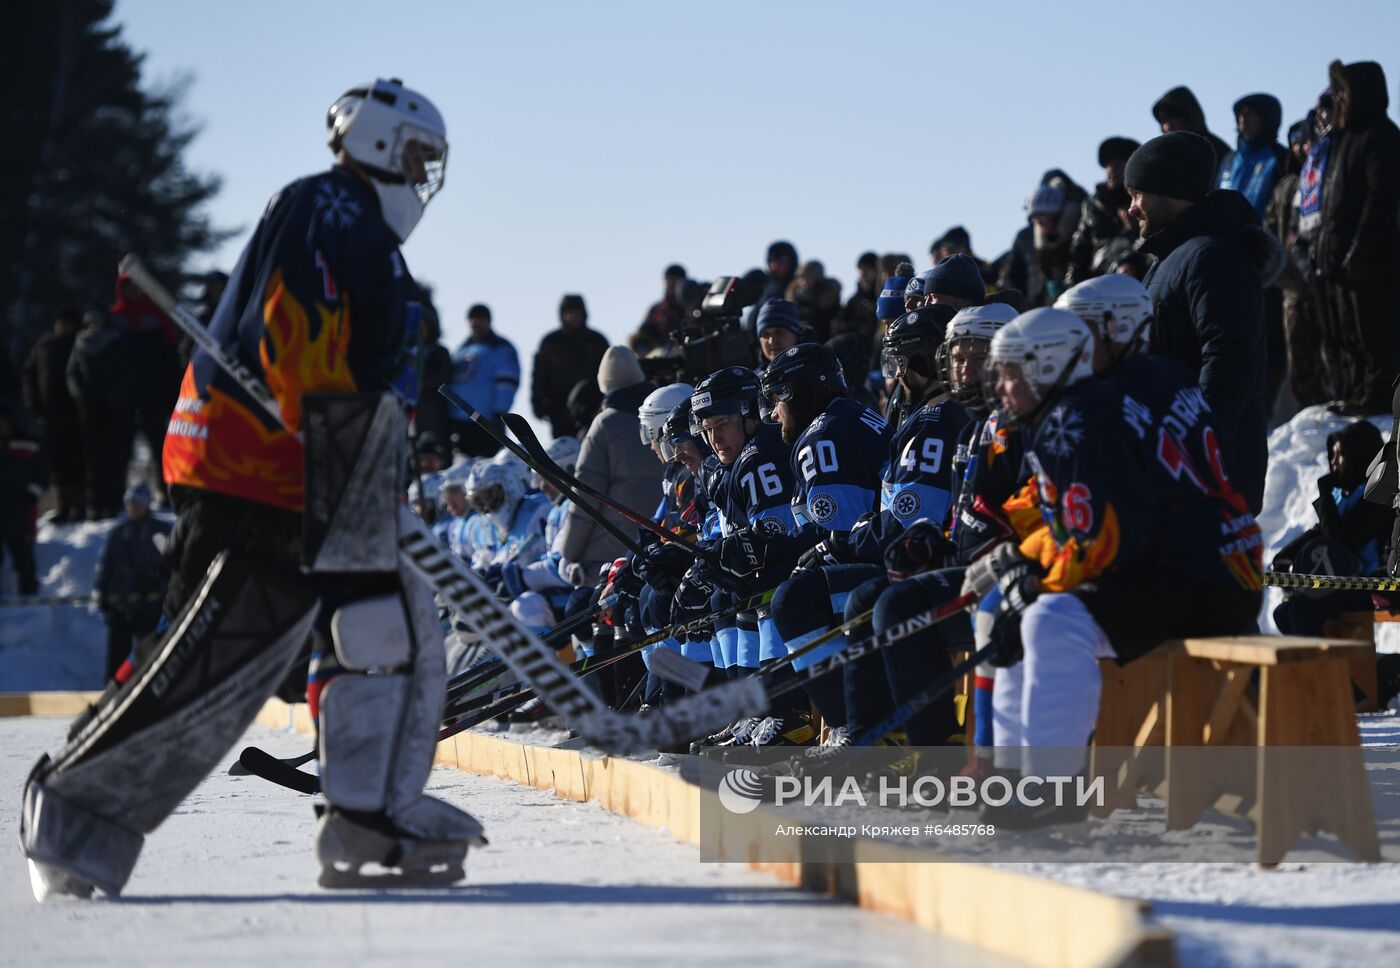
{"type": "Point", "coordinates": [777, 313]}
{"type": "Point", "coordinates": [956, 276]}
{"type": "Point", "coordinates": [1116, 149]}
{"type": "Point", "coordinates": [890, 303]}
{"type": "Point", "coordinates": [1177, 165]}
{"type": "Point", "coordinates": [619, 369]}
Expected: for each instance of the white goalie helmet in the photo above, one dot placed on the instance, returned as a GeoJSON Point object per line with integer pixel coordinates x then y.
{"type": "Point", "coordinates": [657, 407]}
{"type": "Point", "coordinates": [1042, 351]}
{"type": "Point", "coordinates": [969, 333]}
{"type": "Point", "coordinates": [1117, 307]}
{"type": "Point", "coordinates": [495, 490]}
{"type": "Point", "coordinates": [397, 137]}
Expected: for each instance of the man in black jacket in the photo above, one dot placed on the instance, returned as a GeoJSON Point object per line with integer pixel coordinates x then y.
{"type": "Point", "coordinates": [1105, 233]}
{"type": "Point", "coordinates": [571, 353]}
{"type": "Point", "coordinates": [1358, 247]}
{"type": "Point", "coordinates": [99, 378]}
{"type": "Point", "coordinates": [131, 576]}
{"type": "Point", "coordinates": [47, 398]}
{"type": "Point", "coordinates": [1214, 258]}
{"type": "Point", "coordinates": [23, 476]}
{"type": "Point", "coordinates": [1178, 110]}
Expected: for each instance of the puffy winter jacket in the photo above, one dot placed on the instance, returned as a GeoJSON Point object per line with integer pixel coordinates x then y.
{"type": "Point", "coordinates": [46, 391]}
{"type": "Point", "coordinates": [485, 373]}
{"type": "Point", "coordinates": [1359, 238]}
{"type": "Point", "coordinates": [613, 460]}
{"type": "Point", "coordinates": [565, 357]}
{"type": "Point", "coordinates": [1102, 238]}
{"type": "Point", "coordinates": [99, 369]}
{"type": "Point", "coordinates": [133, 563]}
{"type": "Point", "coordinates": [1214, 261]}
{"type": "Point", "coordinates": [1253, 168]}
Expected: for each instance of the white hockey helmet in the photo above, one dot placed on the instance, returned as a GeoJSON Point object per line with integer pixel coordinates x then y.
{"type": "Point", "coordinates": [458, 474]}
{"type": "Point", "coordinates": [971, 330]}
{"type": "Point", "coordinates": [397, 137]}
{"type": "Point", "coordinates": [1117, 308]}
{"type": "Point", "coordinates": [1049, 349]}
{"type": "Point", "coordinates": [657, 407]}
{"type": "Point", "coordinates": [564, 452]}
{"type": "Point", "coordinates": [495, 489]}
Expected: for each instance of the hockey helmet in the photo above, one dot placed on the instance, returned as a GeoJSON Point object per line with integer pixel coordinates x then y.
{"type": "Point", "coordinates": [1117, 308]}
{"type": "Point", "coordinates": [1042, 351]}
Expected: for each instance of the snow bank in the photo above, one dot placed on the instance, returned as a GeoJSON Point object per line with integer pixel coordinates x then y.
{"type": "Point", "coordinates": [1297, 458]}
{"type": "Point", "coordinates": [56, 646]}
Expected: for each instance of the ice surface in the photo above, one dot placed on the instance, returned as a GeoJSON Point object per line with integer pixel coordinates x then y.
{"type": "Point", "coordinates": [229, 879]}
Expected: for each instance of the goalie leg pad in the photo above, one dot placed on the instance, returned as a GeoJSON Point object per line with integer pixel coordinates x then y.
{"type": "Point", "coordinates": [150, 742]}
{"type": "Point", "coordinates": [379, 731]}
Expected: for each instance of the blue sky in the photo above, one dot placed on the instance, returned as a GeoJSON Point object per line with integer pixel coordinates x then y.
{"type": "Point", "coordinates": [592, 144]}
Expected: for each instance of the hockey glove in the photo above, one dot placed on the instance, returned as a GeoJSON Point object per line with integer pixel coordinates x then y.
{"type": "Point", "coordinates": [982, 575]}
{"type": "Point", "coordinates": [663, 566]}
{"type": "Point", "coordinates": [921, 547]}
{"type": "Point", "coordinates": [834, 549]}
{"type": "Point", "coordinates": [741, 554]}
{"type": "Point", "coordinates": [1020, 586]}
{"type": "Point", "coordinates": [625, 579]}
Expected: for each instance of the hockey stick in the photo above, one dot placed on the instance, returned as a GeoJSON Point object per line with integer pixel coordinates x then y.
{"type": "Point", "coordinates": [598, 517]}
{"type": "Point", "coordinates": [934, 690]}
{"type": "Point", "coordinates": [1283, 579]}
{"type": "Point", "coordinates": [526, 435]}
{"type": "Point", "coordinates": [871, 644]}
{"type": "Point", "coordinates": [485, 671]}
{"type": "Point", "coordinates": [253, 754]}
{"type": "Point", "coordinates": [533, 661]}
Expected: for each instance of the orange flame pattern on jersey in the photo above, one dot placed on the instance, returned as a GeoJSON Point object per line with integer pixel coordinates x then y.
{"type": "Point", "coordinates": [219, 444]}
{"type": "Point", "coordinates": [296, 360]}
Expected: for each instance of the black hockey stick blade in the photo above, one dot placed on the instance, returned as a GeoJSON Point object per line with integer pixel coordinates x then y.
{"type": "Point", "coordinates": [261, 763]}
{"type": "Point", "coordinates": [238, 769]}
{"type": "Point", "coordinates": [674, 667]}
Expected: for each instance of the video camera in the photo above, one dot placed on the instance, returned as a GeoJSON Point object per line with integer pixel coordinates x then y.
{"type": "Point", "coordinates": [711, 338]}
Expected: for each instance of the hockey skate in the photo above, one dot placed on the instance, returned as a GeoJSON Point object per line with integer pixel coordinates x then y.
{"type": "Point", "coordinates": [48, 881]}
{"type": "Point", "coordinates": [362, 850]}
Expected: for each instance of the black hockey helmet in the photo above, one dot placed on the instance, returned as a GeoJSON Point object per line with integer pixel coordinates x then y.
{"type": "Point", "coordinates": [677, 429]}
{"type": "Point", "coordinates": [808, 374]}
{"type": "Point", "coordinates": [910, 344]}
{"type": "Point", "coordinates": [732, 391]}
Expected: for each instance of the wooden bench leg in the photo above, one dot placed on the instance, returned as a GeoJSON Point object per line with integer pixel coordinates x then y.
{"type": "Point", "coordinates": [1129, 710]}
{"type": "Point", "coordinates": [1192, 688]}
{"type": "Point", "coordinates": [1310, 705]}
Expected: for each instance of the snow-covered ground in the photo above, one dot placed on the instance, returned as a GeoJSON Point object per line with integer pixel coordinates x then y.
{"type": "Point", "coordinates": [56, 646]}
{"type": "Point", "coordinates": [230, 879]}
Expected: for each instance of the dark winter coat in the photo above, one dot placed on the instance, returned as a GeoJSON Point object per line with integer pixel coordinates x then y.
{"type": "Point", "coordinates": [1359, 240]}
{"type": "Point", "coordinates": [1214, 261]}
{"type": "Point", "coordinates": [1101, 238]}
{"type": "Point", "coordinates": [565, 357]}
{"type": "Point", "coordinates": [99, 370]}
{"type": "Point", "coordinates": [1180, 102]}
{"type": "Point", "coordinates": [45, 376]}
{"type": "Point", "coordinates": [24, 474]}
{"type": "Point", "coordinates": [133, 564]}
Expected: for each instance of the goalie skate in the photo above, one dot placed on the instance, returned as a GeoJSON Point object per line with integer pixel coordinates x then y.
{"type": "Point", "coordinates": [370, 851]}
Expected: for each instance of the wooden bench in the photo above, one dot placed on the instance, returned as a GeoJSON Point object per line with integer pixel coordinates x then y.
{"type": "Point", "coordinates": [1361, 626]}
{"type": "Point", "coordinates": [1206, 695]}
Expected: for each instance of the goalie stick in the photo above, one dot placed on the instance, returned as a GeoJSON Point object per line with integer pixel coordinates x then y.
{"type": "Point", "coordinates": [479, 609]}
{"type": "Point", "coordinates": [1284, 579]}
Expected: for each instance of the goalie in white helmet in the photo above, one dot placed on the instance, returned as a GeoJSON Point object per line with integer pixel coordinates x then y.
{"type": "Point", "coordinates": [508, 523]}
{"type": "Point", "coordinates": [270, 552]}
